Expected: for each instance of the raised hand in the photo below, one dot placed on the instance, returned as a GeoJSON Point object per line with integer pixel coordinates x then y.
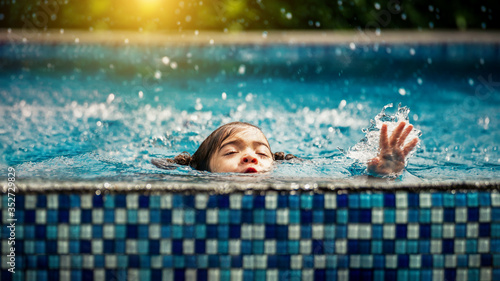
{"type": "Point", "coordinates": [392, 152]}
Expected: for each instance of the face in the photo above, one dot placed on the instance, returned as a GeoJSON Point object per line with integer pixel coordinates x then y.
{"type": "Point", "coordinates": [244, 152]}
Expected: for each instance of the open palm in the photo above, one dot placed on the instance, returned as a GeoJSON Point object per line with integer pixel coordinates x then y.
{"type": "Point", "coordinates": [392, 151]}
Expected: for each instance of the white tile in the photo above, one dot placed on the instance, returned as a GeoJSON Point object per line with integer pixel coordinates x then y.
{"type": "Point", "coordinates": [272, 275]}
{"type": "Point", "coordinates": [319, 261]}
{"type": "Point", "coordinates": [450, 261]}
{"type": "Point", "coordinates": [131, 246]}
{"type": "Point", "coordinates": [235, 201]}
{"type": "Point", "coordinates": [86, 231]}
{"type": "Point", "coordinates": [377, 216]}
{"type": "Point", "coordinates": [212, 216]}
{"type": "Point", "coordinates": [448, 230]}
{"type": "Point", "coordinates": [108, 231]}
{"type": "Point", "coordinates": [120, 216]}
{"type": "Point", "coordinates": [365, 231]}
{"type": "Point", "coordinates": [248, 262]}
{"type": "Point", "coordinates": [143, 216]}
{"type": "Point", "coordinates": [168, 274]}
{"type": "Point", "coordinates": [485, 214]}
{"type": "Point", "coordinates": [188, 246]}
{"type": "Point", "coordinates": [246, 231]}
{"type": "Point", "coordinates": [305, 247]}
{"type": "Point", "coordinates": [474, 261]}
{"type": "Point", "coordinates": [260, 261]}
{"type": "Point", "coordinates": [259, 231]}
{"type": "Point", "coordinates": [391, 261]}
{"type": "Point", "coordinates": [211, 247]}
{"type": "Point", "coordinates": [178, 216]}
{"type": "Point", "coordinates": [318, 231]}
{"type": "Point", "coordinates": [62, 231]}
{"type": "Point", "coordinates": [495, 199]}
{"type": "Point", "coordinates": [190, 274]}
{"type": "Point", "coordinates": [401, 216]}
{"type": "Point", "coordinates": [437, 275]}
{"type": "Point", "coordinates": [353, 231]}
{"type": "Point", "coordinates": [483, 245]}
{"type": "Point", "coordinates": [485, 274]}
{"type": "Point", "coordinates": [156, 262]}
{"type": "Point", "coordinates": [296, 262]}
{"type": "Point", "coordinates": [472, 230]}
{"type": "Point", "coordinates": [154, 231]}
{"type": "Point", "coordinates": [97, 216]}
{"type": "Point", "coordinates": [415, 261]}
{"type": "Point", "coordinates": [436, 246]}
{"type": "Point", "coordinates": [307, 274]}
{"type": "Point", "coordinates": [425, 200]}
{"type": "Point", "coordinates": [437, 215]}
{"type": "Point", "coordinates": [62, 247]}
{"type": "Point", "coordinates": [460, 246]}
{"type": "Point", "coordinates": [401, 200]}
{"type": "Point", "coordinates": [270, 247]}
{"type": "Point", "coordinates": [294, 232]}
{"type": "Point", "coordinates": [282, 216]}
{"type": "Point", "coordinates": [413, 231]}
{"type": "Point", "coordinates": [41, 216]}
{"type": "Point", "coordinates": [330, 200]}
{"type": "Point", "coordinates": [88, 261]}
{"type": "Point", "coordinates": [86, 201]}
{"type": "Point", "coordinates": [462, 274]}
{"type": "Point", "coordinates": [30, 202]}
{"type": "Point", "coordinates": [132, 201]}
{"type": "Point", "coordinates": [165, 246]}
{"type": "Point", "coordinates": [234, 246]}
{"type": "Point", "coordinates": [97, 246]}
{"type": "Point", "coordinates": [354, 261]}
{"type": "Point", "coordinates": [201, 201]}
{"type": "Point", "coordinates": [237, 274]}
{"type": "Point", "coordinates": [133, 274]}
{"type": "Point", "coordinates": [341, 246]}
{"type": "Point", "coordinates": [64, 274]}
{"type": "Point", "coordinates": [367, 261]}
{"type": "Point", "coordinates": [271, 200]}
{"type": "Point", "coordinates": [52, 201]}
{"type": "Point", "coordinates": [166, 201]}
{"type": "Point", "coordinates": [343, 274]}
{"type": "Point", "coordinates": [99, 274]}
{"type": "Point", "coordinates": [461, 215]}
{"type": "Point", "coordinates": [389, 231]}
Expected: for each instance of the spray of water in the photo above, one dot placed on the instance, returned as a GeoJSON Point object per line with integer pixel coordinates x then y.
{"type": "Point", "coordinates": [368, 147]}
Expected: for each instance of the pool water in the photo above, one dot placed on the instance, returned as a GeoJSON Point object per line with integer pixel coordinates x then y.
{"type": "Point", "coordinates": [93, 112]}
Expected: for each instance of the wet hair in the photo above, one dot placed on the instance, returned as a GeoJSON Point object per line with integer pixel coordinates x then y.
{"type": "Point", "coordinates": [200, 160]}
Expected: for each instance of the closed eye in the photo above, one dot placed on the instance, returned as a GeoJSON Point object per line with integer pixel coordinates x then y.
{"type": "Point", "coordinates": [230, 152]}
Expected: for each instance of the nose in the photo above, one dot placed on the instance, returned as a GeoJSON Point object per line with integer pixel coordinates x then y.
{"type": "Point", "coordinates": [249, 158]}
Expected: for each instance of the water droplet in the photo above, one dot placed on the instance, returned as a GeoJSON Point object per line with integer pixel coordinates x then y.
{"type": "Point", "coordinates": [198, 105]}
{"type": "Point", "coordinates": [318, 24]}
{"type": "Point", "coordinates": [431, 25]}
{"type": "Point", "coordinates": [352, 46]}
{"type": "Point", "coordinates": [431, 8]}
{"type": "Point", "coordinates": [141, 94]}
{"type": "Point", "coordinates": [157, 74]}
{"type": "Point", "coordinates": [481, 61]}
{"type": "Point", "coordinates": [196, 32]}
{"type": "Point", "coordinates": [471, 82]}
{"type": "Point", "coordinates": [212, 41]}
{"type": "Point", "coordinates": [402, 91]}
{"type": "Point", "coordinates": [241, 69]}
{"type": "Point", "coordinates": [165, 60]}
{"type": "Point", "coordinates": [126, 40]}
{"type": "Point", "coordinates": [173, 65]}
{"type": "Point", "coordinates": [289, 15]}
{"type": "Point", "coordinates": [415, 117]}
{"type": "Point", "coordinates": [342, 104]}
{"type": "Point", "coordinates": [77, 40]}
{"type": "Point", "coordinates": [2, 16]}
{"type": "Point", "coordinates": [377, 31]}
{"type": "Point", "coordinates": [264, 34]}
{"type": "Point", "coordinates": [224, 96]}
{"type": "Point", "coordinates": [412, 51]}
{"type": "Point", "coordinates": [249, 97]}
{"type": "Point", "coordinates": [377, 6]}
{"type": "Point", "coordinates": [419, 81]}
{"type": "Point", "coordinates": [61, 31]}
{"type": "Point", "coordinates": [483, 9]}
{"type": "Point", "coordinates": [188, 18]}
{"type": "Point", "coordinates": [429, 60]}
{"type": "Point", "coordinates": [403, 16]}
{"type": "Point", "coordinates": [110, 98]}
{"type": "Point", "coordinates": [99, 123]}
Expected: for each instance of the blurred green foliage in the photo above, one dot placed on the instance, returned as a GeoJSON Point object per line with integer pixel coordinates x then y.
{"type": "Point", "coordinates": [248, 14]}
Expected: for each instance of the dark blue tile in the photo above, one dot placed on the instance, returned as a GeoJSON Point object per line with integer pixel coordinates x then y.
{"type": "Point", "coordinates": [154, 247]}
{"type": "Point", "coordinates": [53, 275]}
{"type": "Point", "coordinates": [234, 231]}
{"type": "Point", "coordinates": [401, 231]}
{"type": "Point", "coordinates": [236, 261]}
{"type": "Point", "coordinates": [388, 246]}
{"type": "Point", "coordinates": [305, 217]}
{"type": "Point", "coordinates": [190, 261]}
{"type": "Point", "coordinates": [211, 231]}
{"type": "Point", "coordinates": [259, 202]}
{"type": "Point", "coordinates": [462, 261]}
{"type": "Point", "coordinates": [390, 275]}
{"type": "Point", "coordinates": [282, 232]}
{"type": "Point", "coordinates": [108, 246]}
{"type": "Point", "coordinates": [355, 274]}
{"type": "Point", "coordinates": [97, 231]}
{"type": "Point", "coordinates": [201, 275]}
{"type": "Point", "coordinates": [486, 260]}
{"type": "Point", "coordinates": [270, 231]}
{"type": "Point", "coordinates": [317, 247]}
{"type": "Point", "coordinates": [305, 231]}
{"type": "Point", "coordinates": [188, 231]}
{"type": "Point", "coordinates": [97, 201]}
{"type": "Point", "coordinates": [199, 246]}
{"type": "Point", "coordinates": [224, 201]}
{"type": "Point", "coordinates": [166, 216]}
{"type": "Point", "coordinates": [342, 201]}
{"type": "Point", "coordinates": [450, 274]}
{"type": "Point", "coordinates": [352, 247]}
{"type": "Point", "coordinates": [413, 200]}
{"type": "Point", "coordinates": [364, 246]}
{"type": "Point", "coordinates": [282, 201]}
{"type": "Point", "coordinates": [40, 232]}
{"type": "Point", "coordinates": [87, 274]}
{"type": "Point", "coordinates": [235, 216]}
{"type": "Point", "coordinates": [484, 199]}
{"type": "Point", "coordinates": [320, 275]}
{"type": "Point", "coordinates": [281, 247]}
{"type": "Point", "coordinates": [52, 216]}
{"type": "Point", "coordinates": [179, 275]}
{"type": "Point", "coordinates": [120, 201]}
{"type": "Point", "coordinates": [437, 199]}
{"type": "Point", "coordinates": [319, 201]}
{"type": "Point", "coordinates": [99, 261]}
{"type": "Point", "coordinates": [484, 230]}
{"type": "Point", "coordinates": [343, 261]}
{"type": "Point", "coordinates": [365, 216]}
{"type": "Point", "coordinates": [177, 246]}
{"type": "Point", "coordinates": [495, 214]}
{"type": "Point", "coordinates": [64, 201]}
{"type": "Point", "coordinates": [353, 215]}
{"type": "Point", "coordinates": [213, 261]}
{"type": "Point", "coordinates": [460, 200]}
{"type": "Point", "coordinates": [330, 216]}
{"type": "Point", "coordinates": [449, 215]}
{"type": "Point", "coordinates": [132, 231]}
{"type": "Point", "coordinates": [307, 261]}
{"type": "Point", "coordinates": [403, 261]}
{"type": "Point", "coordinates": [189, 201]}
{"type": "Point", "coordinates": [426, 261]}
{"type": "Point", "coordinates": [51, 247]}
{"type": "Point", "coordinates": [425, 231]}
{"type": "Point", "coordinates": [41, 201]}
{"type": "Point", "coordinates": [85, 246]}
{"type": "Point", "coordinates": [168, 261]}
{"type": "Point", "coordinates": [379, 261]}
{"type": "Point", "coordinates": [473, 214]}
{"type": "Point", "coordinates": [389, 200]}
{"type": "Point", "coordinates": [341, 231]}
{"type": "Point", "coordinates": [177, 201]}
{"type": "Point", "coordinates": [247, 216]}
{"type": "Point", "coordinates": [143, 201]}
{"type": "Point", "coordinates": [272, 261]}
{"type": "Point", "coordinates": [200, 216]}
{"type": "Point", "coordinates": [246, 247]}
{"type": "Point", "coordinates": [223, 232]}
{"type": "Point", "coordinates": [353, 201]}
{"type": "Point", "coordinates": [154, 216]}
{"type": "Point", "coordinates": [460, 230]}
{"type": "Point", "coordinates": [86, 216]}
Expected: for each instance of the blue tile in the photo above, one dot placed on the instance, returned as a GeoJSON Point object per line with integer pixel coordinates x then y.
{"type": "Point", "coordinates": [143, 201]}
{"type": "Point", "coordinates": [379, 261]}
{"type": "Point", "coordinates": [179, 275]}
{"type": "Point", "coordinates": [448, 200]}
{"type": "Point", "coordinates": [246, 247]}
{"type": "Point", "coordinates": [462, 261]}
{"type": "Point", "coordinates": [293, 247]}
{"type": "Point", "coordinates": [29, 216]}
{"type": "Point", "coordinates": [247, 202]}
{"type": "Point", "coordinates": [120, 231]}
{"type": "Point", "coordinates": [364, 247]}
{"type": "Point", "coordinates": [97, 231]}
{"type": "Point", "coordinates": [189, 201]}
{"type": "Point", "coordinates": [341, 231]}
{"type": "Point", "coordinates": [86, 216]}
{"type": "Point", "coordinates": [449, 215]}
{"type": "Point", "coordinates": [270, 231]}
{"type": "Point", "coordinates": [235, 216]}
{"type": "Point", "coordinates": [223, 232]}
{"type": "Point", "coordinates": [401, 231]}
{"type": "Point", "coordinates": [319, 201]}
{"type": "Point", "coordinates": [388, 246]}
{"type": "Point", "coordinates": [109, 215]}
{"type": "Point", "coordinates": [272, 261]}
{"type": "Point", "coordinates": [353, 215]}
{"type": "Point", "coordinates": [413, 200]}
{"type": "Point", "coordinates": [294, 216]}
{"type": "Point", "coordinates": [306, 201]}
{"type": "Point", "coordinates": [389, 216]}
{"type": "Point", "coordinates": [342, 201]}
{"type": "Point", "coordinates": [377, 200]}
{"type": "Point", "coordinates": [98, 261]}
{"type": "Point", "coordinates": [389, 200]}
{"type": "Point", "coordinates": [365, 216]}
{"type": "Point", "coordinates": [177, 247]}
{"type": "Point", "coordinates": [259, 216]}
{"type": "Point", "coordinates": [120, 201]}
{"type": "Point", "coordinates": [282, 201]}
{"type": "Point", "coordinates": [177, 201]}
{"type": "Point", "coordinates": [97, 201]}
{"type": "Point", "coordinates": [305, 231]}
{"type": "Point", "coordinates": [342, 216]}
{"type": "Point", "coordinates": [448, 246]}
{"type": "Point", "coordinates": [167, 261]}
{"type": "Point", "coordinates": [41, 201]}
{"type": "Point", "coordinates": [154, 216]}
{"type": "Point", "coordinates": [460, 230]}
{"type": "Point", "coordinates": [318, 216]}
{"type": "Point", "coordinates": [52, 216]}
{"type": "Point", "coordinates": [306, 217]}
{"type": "Point", "coordinates": [460, 200]}
{"type": "Point", "coordinates": [307, 261]}
{"type": "Point", "coordinates": [270, 216]}
{"type": "Point", "coordinates": [425, 216]}
{"type": "Point", "coordinates": [343, 261]}
{"type": "Point", "coordinates": [437, 199]}
{"type": "Point", "coordinates": [293, 201]}
{"type": "Point", "coordinates": [281, 247]}
{"type": "Point", "coordinates": [188, 232]}
{"type": "Point", "coordinates": [425, 231]}
{"type": "Point", "coordinates": [259, 202]}
{"type": "Point", "coordinates": [473, 214]}
{"type": "Point", "coordinates": [353, 201]}
{"type": "Point", "coordinates": [484, 199]}
{"type": "Point", "coordinates": [472, 199]}
{"type": "Point", "coordinates": [352, 247]}
{"type": "Point", "coordinates": [377, 247]}
{"type": "Point", "coordinates": [234, 231]}
{"type": "Point", "coordinates": [190, 261]}
{"type": "Point", "coordinates": [64, 201]}
{"type": "Point", "coordinates": [426, 261]}
{"type": "Point", "coordinates": [330, 216]}
{"type": "Point", "coordinates": [166, 216]}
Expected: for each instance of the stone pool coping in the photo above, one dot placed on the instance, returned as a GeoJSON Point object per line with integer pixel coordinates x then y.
{"type": "Point", "coordinates": [244, 38]}
{"type": "Point", "coordinates": [224, 186]}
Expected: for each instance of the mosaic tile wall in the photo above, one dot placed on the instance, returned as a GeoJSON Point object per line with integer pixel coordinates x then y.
{"type": "Point", "coordinates": [271, 236]}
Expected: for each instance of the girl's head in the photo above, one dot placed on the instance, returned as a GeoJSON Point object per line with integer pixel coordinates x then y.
{"type": "Point", "coordinates": [236, 147]}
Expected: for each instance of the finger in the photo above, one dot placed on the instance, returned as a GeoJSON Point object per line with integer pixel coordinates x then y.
{"type": "Point", "coordinates": [397, 132]}
{"type": "Point", "coordinates": [410, 146]}
{"type": "Point", "coordinates": [384, 143]}
{"type": "Point", "coordinates": [405, 134]}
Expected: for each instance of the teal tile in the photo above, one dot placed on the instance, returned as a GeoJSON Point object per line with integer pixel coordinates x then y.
{"type": "Point", "coordinates": [354, 201]}
{"type": "Point", "coordinates": [389, 216]}
{"type": "Point", "coordinates": [449, 200]}
{"type": "Point", "coordinates": [342, 216]}
{"type": "Point", "coordinates": [425, 216]}
{"type": "Point", "coordinates": [377, 200]}
{"type": "Point", "coordinates": [294, 216]}
{"type": "Point", "coordinates": [306, 201]}
{"type": "Point", "coordinates": [472, 199]}
{"type": "Point", "coordinates": [154, 201]}
{"type": "Point", "coordinates": [365, 201]}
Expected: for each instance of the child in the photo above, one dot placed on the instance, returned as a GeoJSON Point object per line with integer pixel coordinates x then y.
{"type": "Point", "coordinates": [240, 147]}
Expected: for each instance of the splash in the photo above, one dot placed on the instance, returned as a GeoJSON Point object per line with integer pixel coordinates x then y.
{"type": "Point", "coordinates": [368, 147]}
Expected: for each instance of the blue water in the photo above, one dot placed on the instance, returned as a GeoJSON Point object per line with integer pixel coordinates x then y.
{"type": "Point", "coordinates": [92, 112]}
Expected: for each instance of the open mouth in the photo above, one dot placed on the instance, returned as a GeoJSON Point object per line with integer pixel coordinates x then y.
{"type": "Point", "coordinates": [251, 170]}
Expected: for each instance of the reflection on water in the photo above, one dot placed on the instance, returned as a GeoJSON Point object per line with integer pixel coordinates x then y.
{"type": "Point", "coordinates": [97, 112]}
